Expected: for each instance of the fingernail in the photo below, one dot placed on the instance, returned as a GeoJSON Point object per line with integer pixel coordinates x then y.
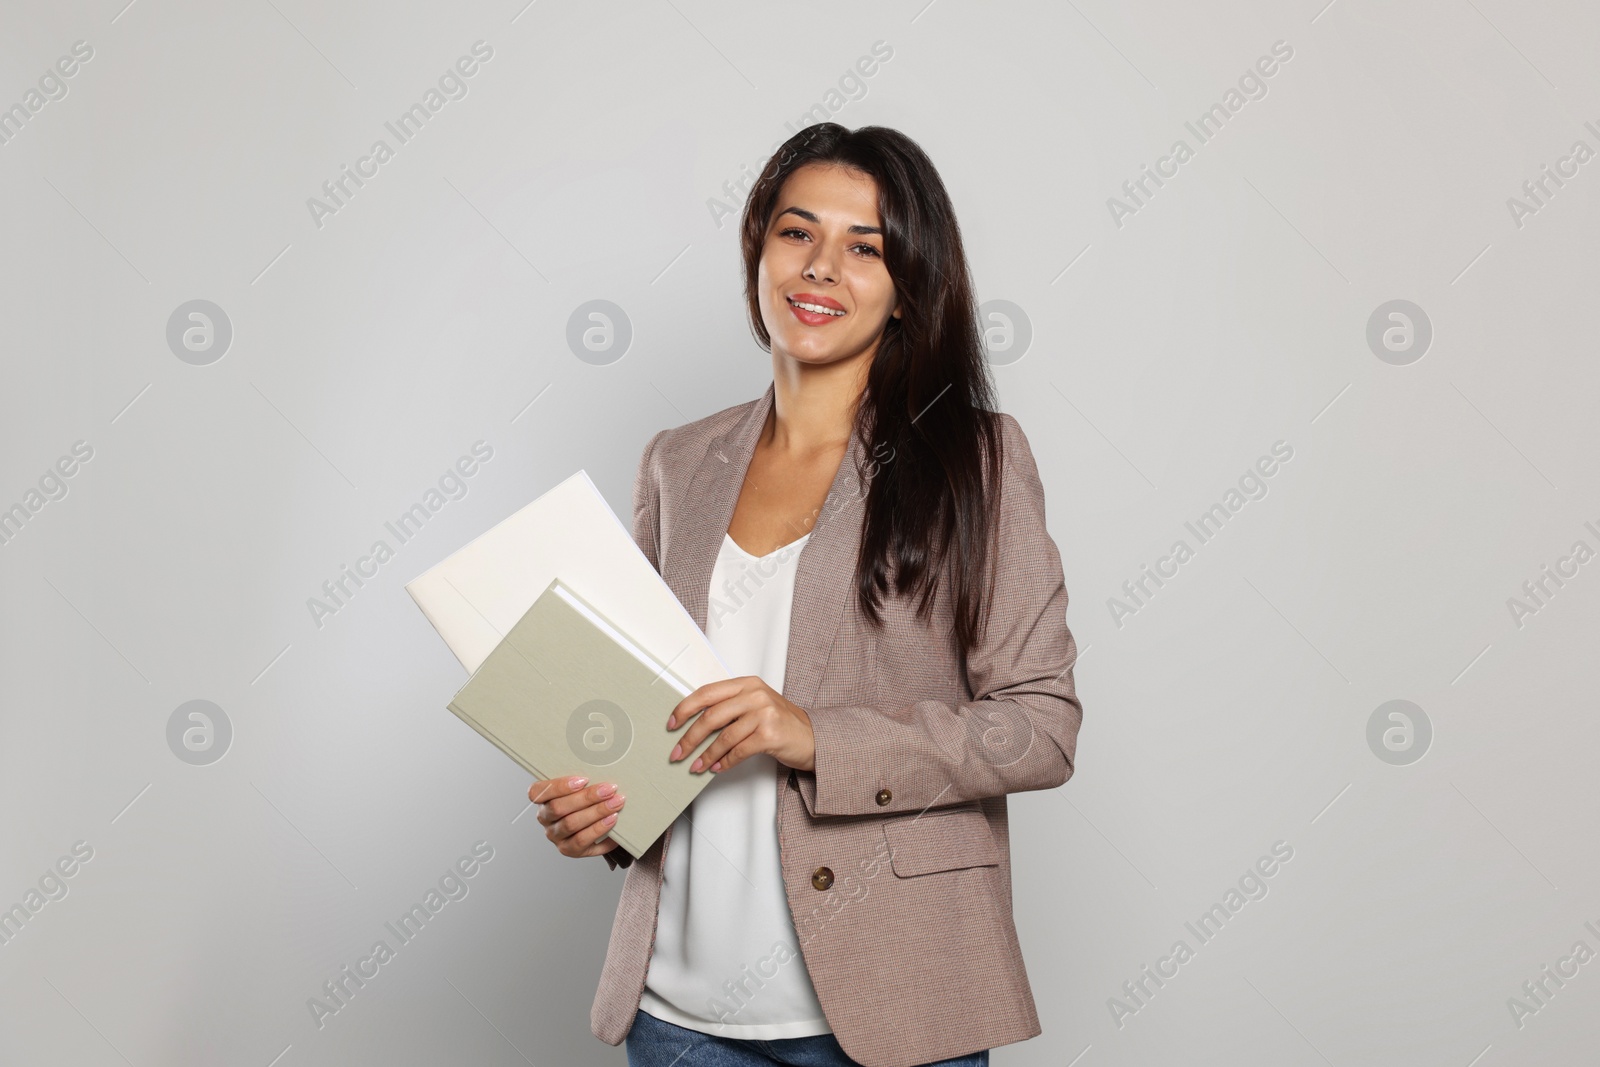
{"type": "Point", "coordinates": [577, 783]}
{"type": "Point", "coordinates": [696, 765]}
{"type": "Point", "coordinates": [606, 790]}
{"type": "Point", "coordinates": [615, 802]}
{"type": "Point", "coordinates": [677, 753]}
{"type": "Point", "coordinates": [672, 720]}
{"type": "Point", "coordinates": [608, 820]}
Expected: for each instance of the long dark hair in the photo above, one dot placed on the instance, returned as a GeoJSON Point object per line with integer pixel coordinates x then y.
{"type": "Point", "coordinates": [930, 510]}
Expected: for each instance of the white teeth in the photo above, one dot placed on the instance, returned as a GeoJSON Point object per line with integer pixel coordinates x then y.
{"type": "Point", "coordinates": [818, 308]}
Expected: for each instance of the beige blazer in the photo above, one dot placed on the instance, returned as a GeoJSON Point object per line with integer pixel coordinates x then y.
{"type": "Point", "coordinates": [895, 850]}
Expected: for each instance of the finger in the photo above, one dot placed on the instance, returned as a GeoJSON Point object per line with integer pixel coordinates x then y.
{"type": "Point", "coordinates": [692, 705]}
{"type": "Point", "coordinates": [558, 829]}
{"type": "Point", "coordinates": [707, 695]}
{"type": "Point", "coordinates": [585, 840]}
{"type": "Point", "coordinates": [738, 753]}
{"type": "Point", "coordinates": [547, 789]}
{"type": "Point", "coordinates": [562, 806]}
{"type": "Point", "coordinates": [731, 735]}
{"type": "Point", "coordinates": [600, 848]}
{"type": "Point", "coordinates": [709, 722]}
{"type": "Point", "coordinates": [582, 828]}
{"type": "Point", "coordinates": [719, 715]}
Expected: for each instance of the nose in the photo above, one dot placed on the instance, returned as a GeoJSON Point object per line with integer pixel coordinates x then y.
{"type": "Point", "coordinates": [822, 266]}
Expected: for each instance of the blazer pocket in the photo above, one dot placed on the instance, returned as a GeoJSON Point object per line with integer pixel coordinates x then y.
{"type": "Point", "coordinates": [940, 841]}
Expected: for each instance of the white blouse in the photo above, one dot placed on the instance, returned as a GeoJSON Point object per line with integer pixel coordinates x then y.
{"type": "Point", "coordinates": [727, 958]}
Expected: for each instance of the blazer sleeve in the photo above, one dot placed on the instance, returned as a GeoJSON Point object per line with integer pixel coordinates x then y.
{"type": "Point", "coordinates": [1018, 732]}
{"type": "Point", "coordinates": [647, 535]}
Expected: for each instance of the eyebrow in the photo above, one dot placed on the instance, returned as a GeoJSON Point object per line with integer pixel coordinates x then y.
{"type": "Point", "coordinates": [809, 217]}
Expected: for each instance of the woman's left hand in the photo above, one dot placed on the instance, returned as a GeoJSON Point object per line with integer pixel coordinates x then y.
{"type": "Point", "coordinates": [752, 716]}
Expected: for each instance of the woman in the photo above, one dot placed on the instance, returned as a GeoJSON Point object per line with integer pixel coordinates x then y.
{"type": "Point", "coordinates": [865, 546]}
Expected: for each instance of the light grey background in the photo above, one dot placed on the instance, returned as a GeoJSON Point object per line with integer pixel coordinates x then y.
{"type": "Point", "coordinates": [1168, 354]}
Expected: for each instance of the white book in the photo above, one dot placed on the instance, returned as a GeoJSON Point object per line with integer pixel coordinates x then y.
{"type": "Point", "coordinates": [479, 592]}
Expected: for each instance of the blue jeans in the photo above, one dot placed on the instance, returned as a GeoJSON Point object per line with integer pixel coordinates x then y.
{"type": "Point", "coordinates": [657, 1043]}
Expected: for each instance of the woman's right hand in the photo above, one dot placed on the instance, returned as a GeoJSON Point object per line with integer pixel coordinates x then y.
{"type": "Point", "coordinates": [576, 815]}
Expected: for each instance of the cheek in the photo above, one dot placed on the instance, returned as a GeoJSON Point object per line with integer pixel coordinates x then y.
{"type": "Point", "coordinates": [780, 261]}
{"type": "Point", "coordinates": [764, 280]}
{"type": "Point", "coordinates": [773, 272]}
{"type": "Point", "coordinates": [874, 293]}
{"type": "Point", "coordinates": [767, 275]}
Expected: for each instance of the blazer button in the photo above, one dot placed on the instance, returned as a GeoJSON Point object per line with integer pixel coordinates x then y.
{"type": "Point", "coordinates": [821, 878]}
{"type": "Point", "coordinates": [884, 796]}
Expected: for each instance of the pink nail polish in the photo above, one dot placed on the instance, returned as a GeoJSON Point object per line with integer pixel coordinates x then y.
{"type": "Point", "coordinates": [677, 753]}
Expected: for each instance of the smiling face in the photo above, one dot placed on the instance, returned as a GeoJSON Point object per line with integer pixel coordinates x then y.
{"type": "Point", "coordinates": [825, 294]}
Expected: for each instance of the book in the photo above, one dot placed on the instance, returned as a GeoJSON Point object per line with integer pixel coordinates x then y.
{"type": "Point", "coordinates": [567, 692]}
{"type": "Point", "coordinates": [478, 592]}
{"type": "Point", "coordinates": [569, 537]}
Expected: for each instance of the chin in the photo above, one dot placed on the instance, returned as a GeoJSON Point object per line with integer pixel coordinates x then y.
{"type": "Point", "coordinates": [815, 359]}
{"type": "Point", "coordinates": [826, 360]}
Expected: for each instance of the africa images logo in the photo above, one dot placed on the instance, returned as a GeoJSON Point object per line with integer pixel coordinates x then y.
{"type": "Point", "coordinates": [338, 191]}
{"type": "Point", "coordinates": [453, 885]}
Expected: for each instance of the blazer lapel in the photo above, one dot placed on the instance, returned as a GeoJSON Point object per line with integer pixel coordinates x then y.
{"type": "Point", "coordinates": [690, 547]}
{"type": "Point", "coordinates": [824, 580]}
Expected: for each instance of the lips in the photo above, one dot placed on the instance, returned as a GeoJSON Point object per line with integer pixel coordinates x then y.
{"type": "Point", "coordinates": [821, 309]}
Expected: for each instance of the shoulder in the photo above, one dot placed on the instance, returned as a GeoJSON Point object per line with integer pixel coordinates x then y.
{"type": "Point", "coordinates": [1020, 509]}
{"type": "Point", "coordinates": [1011, 436]}
{"type": "Point", "coordinates": [678, 446]}
{"type": "Point", "coordinates": [1017, 464]}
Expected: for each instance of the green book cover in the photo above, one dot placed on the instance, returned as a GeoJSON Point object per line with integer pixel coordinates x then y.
{"type": "Point", "coordinates": [565, 692]}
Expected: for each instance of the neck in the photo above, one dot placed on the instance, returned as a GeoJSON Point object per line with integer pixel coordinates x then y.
{"type": "Point", "coordinates": [814, 406]}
